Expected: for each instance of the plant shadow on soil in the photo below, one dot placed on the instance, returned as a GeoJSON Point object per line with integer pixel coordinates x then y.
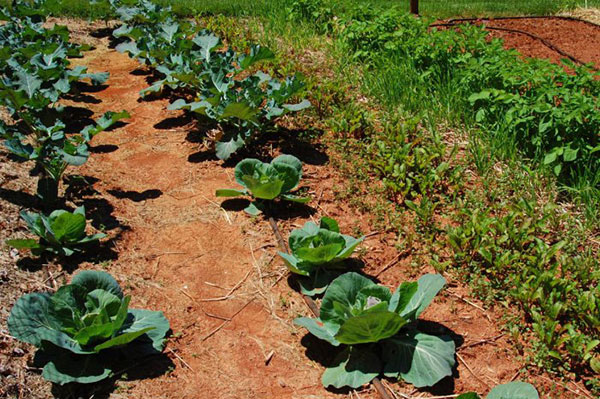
{"type": "Point", "coordinates": [149, 367]}
{"type": "Point", "coordinates": [280, 210]}
{"type": "Point", "coordinates": [323, 353]}
{"type": "Point", "coordinates": [80, 191]}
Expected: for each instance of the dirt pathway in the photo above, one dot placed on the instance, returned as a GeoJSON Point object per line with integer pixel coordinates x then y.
{"type": "Point", "coordinates": [182, 252]}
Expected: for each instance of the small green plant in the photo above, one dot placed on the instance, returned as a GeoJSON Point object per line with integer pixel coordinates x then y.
{"type": "Point", "coordinates": [61, 233]}
{"type": "Point", "coordinates": [53, 150]}
{"type": "Point", "coordinates": [84, 328]}
{"type": "Point", "coordinates": [318, 252]}
{"type": "Point", "coordinates": [511, 390]}
{"type": "Point", "coordinates": [378, 332]}
{"type": "Point", "coordinates": [267, 181]}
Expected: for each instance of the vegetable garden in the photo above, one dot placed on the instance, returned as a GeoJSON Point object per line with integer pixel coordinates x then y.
{"type": "Point", "coordinates": [406, 327]}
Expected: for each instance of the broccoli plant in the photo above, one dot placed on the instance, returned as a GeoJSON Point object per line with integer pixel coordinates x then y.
{"type": "Point", "coordinates": [216, 82]}
{"type": "Point", "coordinates": [511, 390]}
{"type": "Point", "coordinates": [267, 181]}
{"type": "Point", "coordinates": [378, 333]}
{"type": "Point", "coordinates": [317, 253]}
{"type": "Point", "coordinates": [52, 149]}
{"type": "Point", "coordinates": [35, 74]}
{"type": "Point", "coordinates": [84, 328]}
{"type": "Point", "coordinates": [61, 233]}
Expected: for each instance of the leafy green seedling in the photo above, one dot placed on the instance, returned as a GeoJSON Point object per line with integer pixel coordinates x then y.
{"type": "Point", "coordinates": [82, 327]}
{"type": "Point", "coordinates": [512, 390]}
{"type": "Point", "coordinates": [267, 181]}
{"type": "Point", "coordinates": [317, 252]}
{"type": "Point", "coordinates": [378, 332]}
{"type": "Point", "coordinates": [50, 147]}
{"type": "Point", "coordinates": [61, 233]}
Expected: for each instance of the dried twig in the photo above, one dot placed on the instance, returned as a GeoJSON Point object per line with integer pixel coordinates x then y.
{"type": "Point", "coordinates": [180, 359]}
{"type": "Point", "coordinates": [393, 262]}
{"type": "Point", "coordinates": [230, 293]}
{"type": "Point", "coordinates": [481, 342]}
{"type": "Point", "coordinates": [220, 326]}
{"type": "Point", "coordinates": [472, 304]}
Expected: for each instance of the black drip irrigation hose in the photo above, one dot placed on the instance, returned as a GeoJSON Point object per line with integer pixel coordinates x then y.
{"type": "Point", "coordinates": [550, 45]}
{"type": "Point", "coordinates": [377, 384]}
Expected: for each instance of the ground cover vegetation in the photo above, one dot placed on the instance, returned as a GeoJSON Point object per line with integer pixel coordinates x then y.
{"type": "Point", "coordinates": [511, 232]}
{"type": "Point", "coordinates": [500, 236]}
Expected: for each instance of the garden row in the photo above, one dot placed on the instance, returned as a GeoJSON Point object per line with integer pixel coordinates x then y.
{"type": "Point", "coordinates": [503, 230]}
{"type": "Point", "coordinates": [78, 327]}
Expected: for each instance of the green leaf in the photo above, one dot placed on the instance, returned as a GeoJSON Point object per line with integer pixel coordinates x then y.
{"type": "Point", "coordinates": [296, 199]}
{"type": "Point", "coordinates": [141, 319]}
{"type": "Point", "coordinates": [329, 224]}
{"type": "Point", "coordinates": [264, 190]}
{"type": "Point", "coordinates": [68, 227]}
{"type": "Point", "coordinates": [241, 111]}
{"type": "Point", "coordinates": [297, 107]}
{"type": "Point", "coordinates": [245, 167]}
{"type": "Point", "coordinates": [63, 367]}
{"type": "Point", "coordinates": [342, 294]}
{"type": "Point", "coordinates": [28, 83]}
{"type": "Point", "coordinates": [421, 359]}
{"type": "Point", "coordinates": [253, 209]}
{"type": "Point", "coordinates": [570, 154]}
{"type": "Point", "coordinates": [402, 296]}
{"type": "Point", "coordinates": [24, 244]}
{"type": "Point", "coordinates": [370, 327]}
{"type": "Point", "coordinates": [229, 193]}
{"type": "Point", "coordinates": [257, 53]}
{"type": "Point", "coordinates": [29, 315]}
{"type": "Point", "coordinates": [468, 395]}
{"type": "Point", "coordinates": [428, 287]}
{"type": "Point", "coordinates": [224, 149]}
{"type": "Point", "coordinates": [353, 368]}
{"type": "Point", "coordinates": [513, 390]}
{"type": "Point", "coordinates": [94, 279]}
{"type": "Point", "coordinates": [318, 329]}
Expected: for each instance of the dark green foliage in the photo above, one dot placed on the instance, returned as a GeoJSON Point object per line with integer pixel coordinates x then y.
{"type": "Point", "coordinates": [82, 328]}
{"type": "Point", "coordinates": [556, 283]}
{"type": "Point", "coordinates": [223, 84]}
{"type": "Point", "coordinates": [378, 334]}
{"type": "Point", "coordinates": [35, 74]}
{"type": "Point", "coordinates": [61, 233]}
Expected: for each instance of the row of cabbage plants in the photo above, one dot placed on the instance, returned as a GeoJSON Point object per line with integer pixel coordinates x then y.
{"type": "Point", "coordinates": [85, 329]}
{"type": "Point", "coordinates": [372, 330]}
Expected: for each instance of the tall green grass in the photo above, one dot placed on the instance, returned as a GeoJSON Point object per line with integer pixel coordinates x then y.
{"type": "Point", "coordinates": [274, 9]}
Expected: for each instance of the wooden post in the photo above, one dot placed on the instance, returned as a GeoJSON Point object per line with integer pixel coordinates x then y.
{"type": "Point", "coordinates": [414, 7]}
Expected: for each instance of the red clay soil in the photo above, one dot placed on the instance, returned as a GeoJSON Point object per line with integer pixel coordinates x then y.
{"type": "Point", "coordinates": [577, 38]}
{"type": "Point", "coordinates": [215, 273]}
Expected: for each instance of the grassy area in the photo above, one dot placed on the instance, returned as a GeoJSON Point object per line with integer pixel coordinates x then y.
{"type": "Point", "coordinates": [276, 8]}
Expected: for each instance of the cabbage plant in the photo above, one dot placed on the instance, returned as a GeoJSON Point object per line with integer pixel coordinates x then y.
{"type": "Point", "coordinates": [82, 328]}
{"type": "Point", "coordinates": [61, 233]}
{"type": "Point", "coordinates": [378, 333]}
{"type": "Point", "coordinates": [318, 252]}
{"type": "Point", "coordinates": [267, 181]}
{"type": "Point", "coordinates": [511, 390]}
